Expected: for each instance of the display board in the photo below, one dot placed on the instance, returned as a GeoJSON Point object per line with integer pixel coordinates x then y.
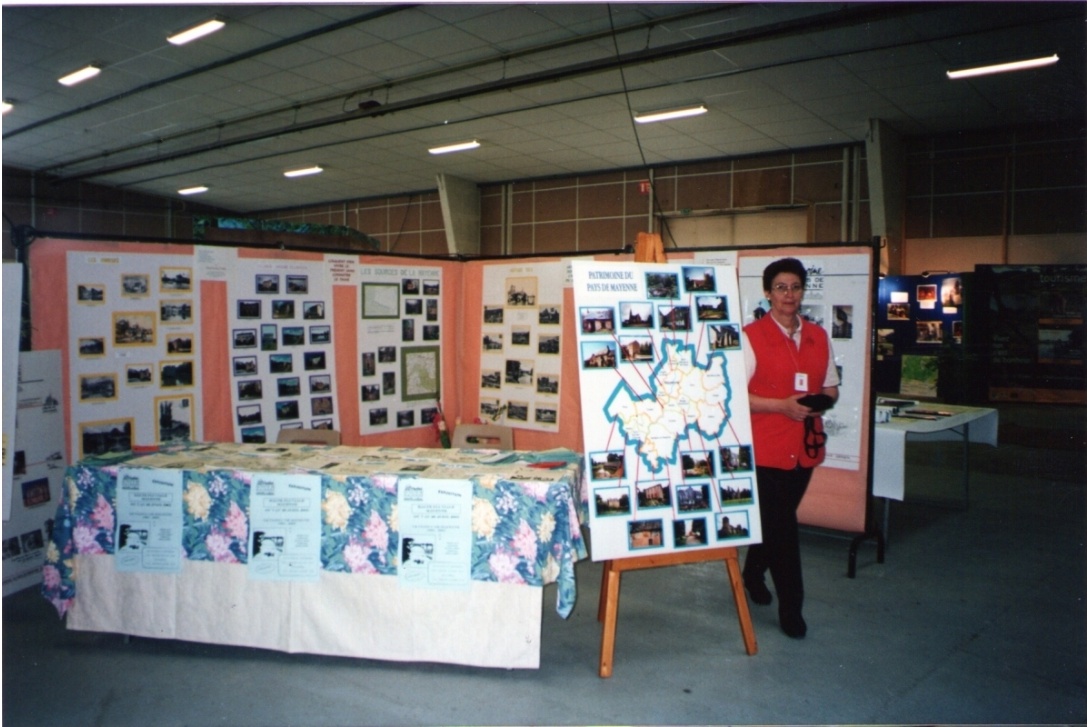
{"type": "Point", "coordinates": [13, 309]}
{"type": "Point", "coordinates": [666, 429]}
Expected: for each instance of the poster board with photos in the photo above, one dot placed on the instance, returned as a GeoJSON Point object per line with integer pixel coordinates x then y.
{"type": "Point", "coordinates": [665, 408]}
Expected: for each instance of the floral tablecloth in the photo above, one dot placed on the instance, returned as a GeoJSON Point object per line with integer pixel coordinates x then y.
{"type": "Point", "coordinates": [524, 520]}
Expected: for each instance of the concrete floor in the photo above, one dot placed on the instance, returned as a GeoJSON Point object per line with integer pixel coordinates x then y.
{"type": "Point", "coordinates": [977, 616]}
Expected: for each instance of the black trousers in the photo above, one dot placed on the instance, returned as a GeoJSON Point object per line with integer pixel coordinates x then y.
{"type": "Point", "coordinates": [779, 493]}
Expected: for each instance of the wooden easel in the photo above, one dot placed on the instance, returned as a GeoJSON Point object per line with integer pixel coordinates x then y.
{"type": "Point", "coordinates": [649, 249]}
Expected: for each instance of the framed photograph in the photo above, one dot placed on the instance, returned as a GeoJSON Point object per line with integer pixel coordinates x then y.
{"type": "Point", "coordinates": [662, 286]}
{"type": "Point", "coordinates": [267, 284]}
{"type": "Point", "coordinates": [314, 360]}
{"type": "Point", "coordinates": [410, 286]}
{"type": "Point", "coordinates": [253, 435]}
{"type": "Point", "coordinates": [377, 417]}
{"type": "Point", "coordinates": [420, 373]}
{"type": "Point", "coordinates": [675, 318]}
{"type": "Point", "coordinates": [92, 347]}
{"type": "Point", "coordinates": [370, 392]}
{"type": "Point", "coordinates": [293, 336]}
{"type": "Point", "coordinates": [842, 321]}
{"type": "Point", "coordinates": [320, 335]}
{"type": "Point", "coordinates": [644, 534]}
{"type": "Point", "coordinates": [597, 320]}
{"type": "Point", "coordinates": [429, 333]}
{"type": "Point", "coordinates": [135, 285]}
{"type": "Point", "coordinates": [414, 306]}
{"type": "Point", "coordinates": [636, 349]}
{"type": "Point", "coordinates": [491, 409]}
{"type": "Point", "coordinates": [176, 311]}
{"type": "Point", "coordinates": [134, 328]}
{"type": "Point", "coordinates": [431, 287]}
{"type": "Point", "coordinates": [638, 315]}
{"type": "Point", "coordinates": [598, 355]}
{"type": "Point", "coordinates": [493, 314]}
{"type": "Point", "coordinates": [321, 406]}
{"type": "Point", "coordinates": [521, 291]}
{"type": "Point", "coordinates": [406, 418]}
{"type": "Point", "coordinates": [313, 310]}
{"type": "Point", "coordinates": [97, 387]}
{"type": "Point", "coordinates": [367, 363]}
{"type": "Point", "coordinates": [711, 308]}
{"type": "Point", "coordinates": [612, 501]}
{"type": "Point", "coordinates": [179, 344]}
{"type": "Point", "coordinates": [545, 414]}
{"type": "Point", "coordinates": [735, 458]}
{"type": "Point", "coordinates": [270, 340]}
{"type": "Point", "coordinates": [287, 410]}
{"type": "Point", "coordinates": [697, 465]}
{"type": "Point", "coordinates": [951, 292]}
{"type": "Point", "coordinates": [897, 311]}
{"type": "Point", "coordinates": [693, 498]}
{"type": "Point", "coordinates": [518, 411]}
{"type": "Point", "coordinates": [520, 335]}
{"type": "Point", "coordinates": [178, 374]}
{"type": "Point", "coordinates": [736, 491]}
{"type": "Point", "coordinates": [929, 332]}
{"type": "Point", "coordinates": [732, 525]}
{"type": "Point", "coordinates": [431, 309]}
{"type": "Point", "coordinates": [548, 315]}
{"type": "Point", "coordinates": [112, 437]}
{"type": "Point", "coordinates": [380, 300]}
{"type": "Point", "coordinates": [249, 309]}
{"type": "Point", "coordinates": [175, 417]}
{"type": "Point", "coordinates": [175, 279]}
{"type": "Point", "coordinates": [283, 309]}
{"type": "Point", "coordinates": [927, 295]}
{"type": "Point", "coordinates": [321, 383]}
{"type": "Point", "coordinates": [249, 390]}
{"type": "Point", "coordinates": [387, 354]}
{"type": "Point", "coordinates": [699, 278]}
{"type": "Point", "coordinates": [606, 465]}
{"type": "Point", "coordinates": [296, 284]}
{"type": "Point", "coordinates": [244, 365]}
{"type": "Point", "coordinates": [724, 336]}
{"type": "Point", "coordinates": [492, 342]}
{"type": "Point", "coordinates": [288, 387]}
{"type": "Point", "coordinates": [321, 424]}
{"type": "Point", "coordinates": [408, 329]}
{"type": "Point", "coordinates": [690, 533]}
{"type": "Point", "coordinates": [91, 293]}
{"type": "Point", "coordinates": [651, 495]}
{"type": "Point", "coordinates": [142, 374]}
{"type": "Point", "coordinates": [389, 383]}
{"type": "Point", "coordinates": [518, 372]}
{"type": "Point", "coordinates": [280, 363]}
{"type": "Point", "coordinates": [548, 344]}
{"type": "Point", "coordinates": [546, 383]}
{"type": "Point", "coordinates": [244, 338]}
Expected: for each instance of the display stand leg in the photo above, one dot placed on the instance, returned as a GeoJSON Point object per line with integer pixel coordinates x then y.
{"type": "Point", "coordinates": [610, 594]}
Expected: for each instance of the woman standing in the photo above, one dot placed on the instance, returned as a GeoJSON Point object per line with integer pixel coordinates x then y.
{"type": "Point", "coordinates": [787, 358]}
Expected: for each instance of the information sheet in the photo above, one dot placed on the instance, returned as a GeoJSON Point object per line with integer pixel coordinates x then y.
{"type": "Point", "coordinates": [149, 520]}
{"type": "Point", "coordinates": [285, 527]}
{"type": "Point", "coordinates": [434, 519]}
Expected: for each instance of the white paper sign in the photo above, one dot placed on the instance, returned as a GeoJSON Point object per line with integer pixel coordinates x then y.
{"type": "Point", "coordinates": [149, 520]}
{"type": "Point", "coordinates": [434, 521]}
{"type": "Point", "coordinates": [285, 527]}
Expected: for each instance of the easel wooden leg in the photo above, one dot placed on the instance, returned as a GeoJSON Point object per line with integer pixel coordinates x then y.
{"type": "Point", "coordinates": [740, 602]}
{"type": "Point", "coordinates": [607, 614]}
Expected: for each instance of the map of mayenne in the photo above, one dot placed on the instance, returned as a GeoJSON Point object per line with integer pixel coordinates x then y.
{"type": "Point", "coordinates": [685, 396]}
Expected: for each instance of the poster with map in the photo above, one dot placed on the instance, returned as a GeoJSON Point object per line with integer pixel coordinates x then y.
{"type": "Point", "coordinates": [667, 436]}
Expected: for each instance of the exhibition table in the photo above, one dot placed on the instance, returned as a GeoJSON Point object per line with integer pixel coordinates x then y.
{"type": "Point", "coordinates": [525, 533]}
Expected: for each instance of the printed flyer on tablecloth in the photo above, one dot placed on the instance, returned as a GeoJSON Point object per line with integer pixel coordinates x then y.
{"type": "Point", "coordinates": [837, 298]}
{"type": "Point", "coordinates": [436, 538]}
{"type": "Point", "coordinates": [285, 526]}
{"type": "Point", "coordinates": [280, 328]}
{"type": "Point", "coordinates": [400, 320]}
{"type": "Point", "coordinates": [521, 345]}
{"type": "Point", "coordinates": [149, 520]}
{"type": "Point", "coordinates": [666, 425]}
{"type": "Point", "coordinates": [134, 328]}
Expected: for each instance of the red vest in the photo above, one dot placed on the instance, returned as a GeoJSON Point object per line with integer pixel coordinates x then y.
{"type": "Point", "coordinates": [778, 440]}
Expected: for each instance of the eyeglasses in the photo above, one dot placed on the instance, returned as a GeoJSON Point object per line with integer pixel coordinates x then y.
{"type": "Point", "coordinates": [782, 288]}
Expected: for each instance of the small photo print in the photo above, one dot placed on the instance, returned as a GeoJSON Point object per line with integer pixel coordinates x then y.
{"type": "Point", "coordinates": [736, 491]}
{"type": "Point", "coordinates": [321, 424]}
{"type": "Point", "coordinates": [607, 465]}
{"type": "Point", "coordinates": [690, 533]}
{"type": "Point", "coordinates": [492, 342]}
{"type": "Point", "coordinates": [548, 344]}
{"type": "Point", "coordinates": [321, 406]}
{"type": "Point", "coordinates": [179, 374]}
{"type": "Point", "coordinates": [842, 321]}
{"type": "Point", "coordinates": [175, 417]}
{"type": "Point", "coordinates": [637, 350]}
{"type": "Point", "coordinates": [92, 347]}
{"type": "Point", "coordinates": [663, 286]}
{"type": "Point", "coordinates": [36, 492]}
{"type": "Point", "coordinates": [431, 287]}
{"type": "Point", "coordinates": [180, 344]}
{"type": "Point", "coordinates": [518, 411]}
{"type": "Point", "coordinates": [521, 291]}
{"type": "Point", "coordinates": [813, 313]}
{"type": "Point", "coordinates": [314, 360]}
{"type": "Point", "coordinates": [250, 389]}
{"type": "Point", "coordinates": [645, 534]}
{"type": "Point", "coordinates": [408, 330]}
{"type": "Point", "coordinates": [97, 387]}
{"type": "Point", "coordinates": [724, 336]}
{"type": "Point", "coordinates": [929, 332]}
{"type": "Point", "coordinates": [732, 525]}
{"type": "Point", "coordinates": [548, 315]}
{"type": "Point", "coordinates": [134, 285]}
{"type": "Point", "coordinates": [248, 414]}
{"type": "Point", "coordinates": [90, 293]}
{"type": "Point", "coordinates": [370, 392]}
{"type": "Point", "coordinates": [138, 374]}
{"type": "Point", "coordinates": [175, 280]}
{"type": "Point", "coordinates": [414, 306]}
{"type": "Point", "coordinates": [410, 286]}
{"type": "Point", "coordinates": [280, 363]}
{"type": "Point", "coordinates": [406, 418]}
{"type": "Point", "coordinates": [134, 328]}
{"type": "Point", "coordinates": [651, 495]}
{"type": "Point", "coordinates": [695, 465]}
{"type": "Point", "coordinates": [491, 379]}
{"type": "Point", "coordinates": [597, 320]}
{"type": "Point", "coordinates": [884, 341]}
{"type": "Point", "coordinates": [313, 310]}
{"type": "Point", "coordinates": [493, 314]}
{"type": "Point", "coordinates": [926, 295]}
{"type": "Point", "coordinates": [267, 284]}
{"type": "Point", "coordinates": [736, 458]}
{"type": "Point", "coordinates": [545, 415]}
{"type": "Point", "coordinates": [428, 414]}
{"type": "Point", "coordinates": [389, 383]}
{"type": "Point", "coordinates": [430, 333]}
{"type": "Point", "coordinates": [296, 284]}
{"type": "Point", "coordinates": [321, 384]}
{"type": "Point", "coordinates": [699, 278]}
{"type": "Point", "coordinates": [431, 310]}
{"type": "Point", "coordinates": [377, 417]}
{"type": "Point", "coordinates": [611, 501]}
{"type": "Point", "coordinates": [249, 309]}
{"type": "Point", "coordinates": [288, 387]}
{"type": "Point", "coordinates": [244, 338]}
{"type": "Point", "coordinates": [491, 410]}
{"type": "Point", "coordinates": [548, 384]}
{"type": "Point", "coordinates": [897, 311]}
{"type": "Point", "coordinates": [520, 335]}
{"type": "Point", "coordinates": [694, 498]}
{"type": "Point", "coordinates": [176, 311]}
{"type": "Point", "coordinates": [637, 315]}
{"type": "Point", "coordinates": [951, 292]}
{"type": "Point", "coordinates": [387, 354]}
{"type": "Point", "coordinates": [253, 435]}
{"type": "Point", "coordinates": [287, 410]}
{"type": "Point", "coordinates": [598, 355]}
{"type": "Point", "coordinates": [675, 318]}
{"type": "Point", "coordinates": [245, 365]}
{"type": "Point", "coordinates": [957, 330]}
{"type": "Point", "coordinates": [711, 308]}
{"type": "Point", "coordinates": [112, 437]}
{"type": "Point", "coordinates": [320, 335]}
{"type": "Point", "coordinates": [283, 309]}
{"type": "Point", "coordinates": [518, 372]}
{"type": "Point", "coordinates": [293, 336]}
{"type": "Point", "coordinates": [367, 363]}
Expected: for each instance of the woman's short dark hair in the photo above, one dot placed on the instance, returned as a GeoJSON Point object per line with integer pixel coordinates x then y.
{"type": "Point", "coordinates": [784, 265]}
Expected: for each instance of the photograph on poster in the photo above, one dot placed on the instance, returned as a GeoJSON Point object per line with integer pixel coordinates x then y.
{"type": "Point", "coordinates": [98, 387]}
{"type": "Point", "coordinates": [280, 363]}
{"type": "Point", "coordinates": [919, 376]}
{"type": "Point", "coordinates": [377, 417]}
{"type": "Point", "coordinates": [596, 320]}
{"type": "Point", "coordinates": [636, 349]}
{"type": "Point", "coordinates": [406, 418]}
{"type": "Point", "coordinates": [320, 334]}
{"type": "Point", "coordinates": [492, 342]}
{"type": "Point", "coordinates": [431, 309]}
{"type": "Point", "coordinates": [926, 296]}
{"type": "Point", "coordinates": [490, 379]}
{"type": "Point", "coordinates": [245, 365]}
{"type": "Point", "coordinates": [548, 315]}
{"type": "Point", "coordinates": [180, 344]}
{"type": "Point", "coordinates": [645, 534]}
{"type": "Point", "coordinates": [414, 306]}
{"type": "Point", "coordinates": [133, 328]}
{"type": "Point", "coordinates": [429, 333]}
{"type": "Point", "coordinates": [545, 414]}
{"type": "Point", "coordinates": [663, 286]}
{"type": "Point", "coordinates": [598, 355]}
{"type": "Point", "coordinates": [675, 318]}
{"type": "Point", "coordinates": [175, 279]}
{"type": "Point", "coordinates": [420, 373]}
{"type": "Point", "coordinates": [410, 286]}
{"type": "Point", "coordinates": [321, 406]}
{"type": "Point", "coordinates": [367, 364]}
{"type": "Point", "coordinates": [293, 336]}
{"type": "Point", "coordinates": [736, 491]}
{"type": "Point", "coordinates": [650, 495]}
{"type": "Point", "coordinates": [518, 410]}
{"type": "Point", "coordinates": [90, 293]}
{"type": "Point", "coordinates": [408, 330]}
{"type": "Point", "coordinates": [139, 374]}
{"type": "Point", "coordinates": [698, 278]}
{"type": "Point", "coordinates": [175, 311]}
{"type": "Point", "coordinates": [493, 314]}
{"type": "Point", "coordinates": [520, 335]}
{"type": "Point", "coordinates": [431, 287]}
{"type": "Point", "coordinates": [314, 360]}
{"type": "Point", "coordinates": [693, 498]}
{"type": "Point", "coordinates": [108, 437]}
{"type": "Point", "coordinates": [321, 383]}
{"type": "Point", "coordinates": [244, 338]}
{"type": "Point", "coordinates": [842, 321]}
{"type": "Point", "coordinates": [813, 313]}
{"type": "Point", "coordinates": [313, 310]}
{"type": "Point", "coordinates": [929, 332]}
{"type": "Point", "coordinates": [548, 344]}
{"type": "Point", "coordinates": [637, 314]}
{"type": "Point", "coordinates": [690, 533]}
{"type": "Point", "coordinates": [321, 424]}
{"type": "Point", "coordinates": [283, 309]}
{"type": "Point", "coordinates": [135, 285]}
{"type": "Point", "coordinates": [92, 347]}
{"type": "Point", "coordinates": [1061, 344]}
{"type": "Point", "coordinates": [738, 458]}
{"type": "Point", "coordinates": [548, 384]}
{"type": "Point", "coordinates": [884, 341]}
{"type": "Point", "coordinates": [176, 375]}
{"type": "Point", "coordinates": [265, 283]}
{"type": "Point", "coordinates": [711, 308]}
{"type": "Point", "coordinates": [249, 309]}
{"type": "Point", "coordinates": [951, 292]}
{"type": "Point", "coordinates": [724, 336]}
{"type": "Point", "coordinates": [296, 284]}
{"type": "Point", "coordinates": [370, 392]}
{"type": "Point", "coordinates": [288, 386]}
{"type": "Point", "coordinates": [612, 501]}
{"type": "Point", "coordinates": [521, 291]}
{"type": "Point", "coordinates": [897, 311]}
{"type": "Point", "coordinates": [387, 354]}
{"type": "Point", "coordinates": [697, 464]}
{"type": "Point", "coordinates": [248, 414]}
{"type": "Point", "coordinates": [518, 372]}
{"type": "Point", "coordinates": [36, 492]}
{"type": "Point", "coordinates": [250, 390]}
{"type": "Point", "coordinates": [253, 435]}
{"type": "Point", "coordinates": [389, 383]}
{"type": "Point", "coordinates": [175, 418]}
{"type": "Point", "coordinates": [732, 525]}
{"type": "Point", "coordinates": [607, 465]}
{"type": "Point", "coordinates": [956, 331]}
{"type": "Point", "coordinates": [491, 409]}
{"type": "Point", "coordinates": [287, 410]}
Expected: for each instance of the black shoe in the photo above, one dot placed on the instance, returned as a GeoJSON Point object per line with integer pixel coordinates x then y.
{"type": "Point", "coordinates": [793, 626]}
{"type": "Point", "coordinates": [759, 593]}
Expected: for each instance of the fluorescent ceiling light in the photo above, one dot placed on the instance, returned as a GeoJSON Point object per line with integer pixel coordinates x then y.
{"type": "Point", "coordinates": [1004, 67]}
{"type": "Point", "coordinates": [197, 31]}
{"type": "Point", "coordinates": [193, 190]}
{"type": "Point", "coordinates": [653, 116]}
{"type": "Point", "coordinates": [6, 106]}
{"type": "Point", "coordinates": [305, 171]}
{"type": "Point", "coordinates": [81, 75]}
{"type": "Point", "coordinates": [460, 146]}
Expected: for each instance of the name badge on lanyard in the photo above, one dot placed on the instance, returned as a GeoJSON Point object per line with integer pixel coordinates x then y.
{"type": "Point", "coordinates": [802, 382]}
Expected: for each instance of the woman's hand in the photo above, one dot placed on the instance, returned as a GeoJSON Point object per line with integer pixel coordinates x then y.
{"type": "Point", "coordinates": [792, 409]}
